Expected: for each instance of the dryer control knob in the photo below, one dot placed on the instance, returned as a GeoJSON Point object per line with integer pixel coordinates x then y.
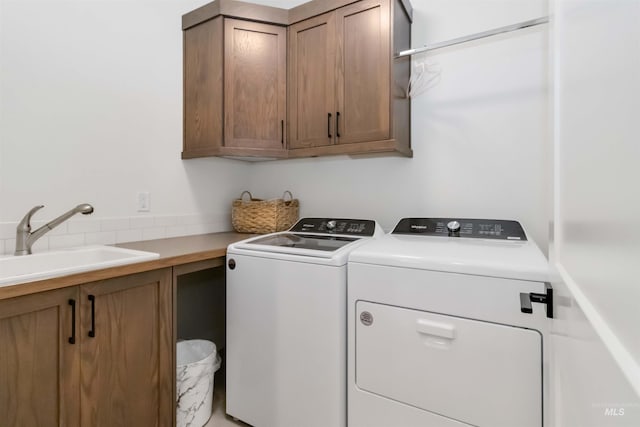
{"type": "Point", "coordinates": [453, 226]}
{"type": "Point", "coordinates": [331, 224]}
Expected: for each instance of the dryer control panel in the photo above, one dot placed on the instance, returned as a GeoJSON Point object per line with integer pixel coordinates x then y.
{"type": "Point", "coordinates": [352, 227]}
{"type": "Point", "coordinates": [461, 227]}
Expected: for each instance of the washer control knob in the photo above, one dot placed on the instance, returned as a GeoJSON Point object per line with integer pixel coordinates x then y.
{"type": "Point", "coordinates": [453, 226]}
{"type": "Point", "coordinates": [331, 225]}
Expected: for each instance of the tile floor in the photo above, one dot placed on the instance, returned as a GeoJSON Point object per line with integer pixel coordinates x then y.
{"type": "Point", "coordinates": [219, 418]}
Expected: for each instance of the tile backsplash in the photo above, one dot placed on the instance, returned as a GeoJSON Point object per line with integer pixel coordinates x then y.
{"type": "Point", "coordinates": [81, 231]}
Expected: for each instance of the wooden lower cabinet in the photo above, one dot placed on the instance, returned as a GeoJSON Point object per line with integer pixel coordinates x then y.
{"type": "Point", "coordinates": [127, 366]}
{"type": "Point", "coordinates": [39, 367]}
{"type": "Point", "coordinates": [119, 372]}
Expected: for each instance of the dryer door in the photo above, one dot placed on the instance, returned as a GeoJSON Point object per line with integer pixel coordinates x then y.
{"type": "Point", "coordinates": [481, 373]}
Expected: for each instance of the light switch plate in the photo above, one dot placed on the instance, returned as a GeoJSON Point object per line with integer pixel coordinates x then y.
{"type": "Point", "coordinates": [144, 204]}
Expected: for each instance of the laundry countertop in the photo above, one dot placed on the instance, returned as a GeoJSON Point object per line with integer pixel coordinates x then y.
{"type": "Point", "coordinates": [173, 252]}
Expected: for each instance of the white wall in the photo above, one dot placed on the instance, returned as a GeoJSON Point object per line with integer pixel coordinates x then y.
{"type": "Point", "coordinates": [595, 249]}
{"type": "Point", "coordinates": [480, 137]}
{"type": "Point", "coordinates": [91, 111]}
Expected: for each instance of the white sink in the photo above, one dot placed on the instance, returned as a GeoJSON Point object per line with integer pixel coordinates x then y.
{"type": "Point", "coordinates": [45, 265]}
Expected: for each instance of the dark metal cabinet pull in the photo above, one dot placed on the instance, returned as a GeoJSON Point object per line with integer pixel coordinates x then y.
{"type": "Point", "coordinates": [338, 124]}
{"type": "Point", "coordinates": [282, 132]}
{"type": "Point", "coordinates": [72, 338]}
{"type": "Point", "coordinates": [92, 332]}
{"type": "Point", "coordinates": [329, 125]}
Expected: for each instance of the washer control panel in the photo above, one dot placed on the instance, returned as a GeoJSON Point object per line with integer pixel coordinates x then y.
{"type": "Point", "coordinates": [460, 227]}
{"type": "Point", "coordinates": [354, 227]}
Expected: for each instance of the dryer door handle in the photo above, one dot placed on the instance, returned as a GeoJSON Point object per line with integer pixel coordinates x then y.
{"type": "Point", "coordinates": [436, 329]}
{"type": "Point", "coordinates": [546, 298]}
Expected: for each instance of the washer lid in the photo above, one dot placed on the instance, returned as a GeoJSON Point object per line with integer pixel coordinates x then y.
{"type": "Point", "coordinates": [312, 238]}
{"type": "Point", "coordinates": [326, 250]}
{"type": "Point", "coordinates": [314, 242]}
{"type": "Point", "coordinates": [520, 260]}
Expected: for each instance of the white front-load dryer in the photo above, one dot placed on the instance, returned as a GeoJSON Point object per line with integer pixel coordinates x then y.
{"type": "Point", "coordinates": [446, 326]}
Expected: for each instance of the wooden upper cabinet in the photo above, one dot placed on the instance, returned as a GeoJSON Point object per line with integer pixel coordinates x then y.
{"type": "Point", "coordinates": [255, 85]}
{"type": "Point", "coordinates": [39, 367]}
{"type": "Point", "coordinates": [312, 74]}
{"type": "Point", "coordinates": [203, 88]}
{"type": "Point", "coordinates": [341, 91]}
{"type": "Point", "coordinates": [363, 76]}
{"type": "Point", "coordinates": [235, 83]}
{"type": "Point", "coordinates": [127, 367]}
{"type": "Point", "coordinates": [346, 93]}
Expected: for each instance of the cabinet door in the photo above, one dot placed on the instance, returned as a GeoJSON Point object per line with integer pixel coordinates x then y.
{"type": "Point", "coordinates": [127, 368]}
{"type": "Point", "coordinates": [39, 367]}
{"type": "Point", "coordinates": [364, 57]}
{"type": "Point", "coordinates": [312, 71]}
{"type": "Point", "coordinates": [255, 85]}
{"type": "Point", "coordinates": [203, 91]}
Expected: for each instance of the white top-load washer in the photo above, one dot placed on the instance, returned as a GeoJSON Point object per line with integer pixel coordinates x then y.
{"type": "Point", "coordinates": [286, 323]}
{"type": "Point", "coordinates": [446, 323]}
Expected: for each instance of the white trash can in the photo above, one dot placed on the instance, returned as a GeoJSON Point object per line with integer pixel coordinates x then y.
{"type": "Point", "coordinates": [197, 362]}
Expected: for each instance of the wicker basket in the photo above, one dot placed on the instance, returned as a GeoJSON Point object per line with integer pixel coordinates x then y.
{"type": "Point", "coordinates": [264, 216]}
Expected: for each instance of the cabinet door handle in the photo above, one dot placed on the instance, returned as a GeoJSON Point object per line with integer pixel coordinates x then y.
{"type": "Point", "coordinates": [282, 132]}
{"type": "Point", "coordinates": [338, 124]}
{"type": "Point", "coordinates": [329, 126]}
{"type": "Point", "coordinates": [72, 338]}
{"type": "Point", "coordinates": [92, 332]}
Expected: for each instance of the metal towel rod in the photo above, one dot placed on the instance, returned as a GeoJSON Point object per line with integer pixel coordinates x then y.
{"type": "Point", "coordinates": [476, 36]}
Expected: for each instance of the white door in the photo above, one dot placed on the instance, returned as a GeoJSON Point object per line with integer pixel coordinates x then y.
{"type": "Point", "coordinates": [480, 373]}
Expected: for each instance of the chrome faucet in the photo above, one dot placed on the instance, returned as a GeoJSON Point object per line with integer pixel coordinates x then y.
{"type": "Point", "coordinates": [25, 238]}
